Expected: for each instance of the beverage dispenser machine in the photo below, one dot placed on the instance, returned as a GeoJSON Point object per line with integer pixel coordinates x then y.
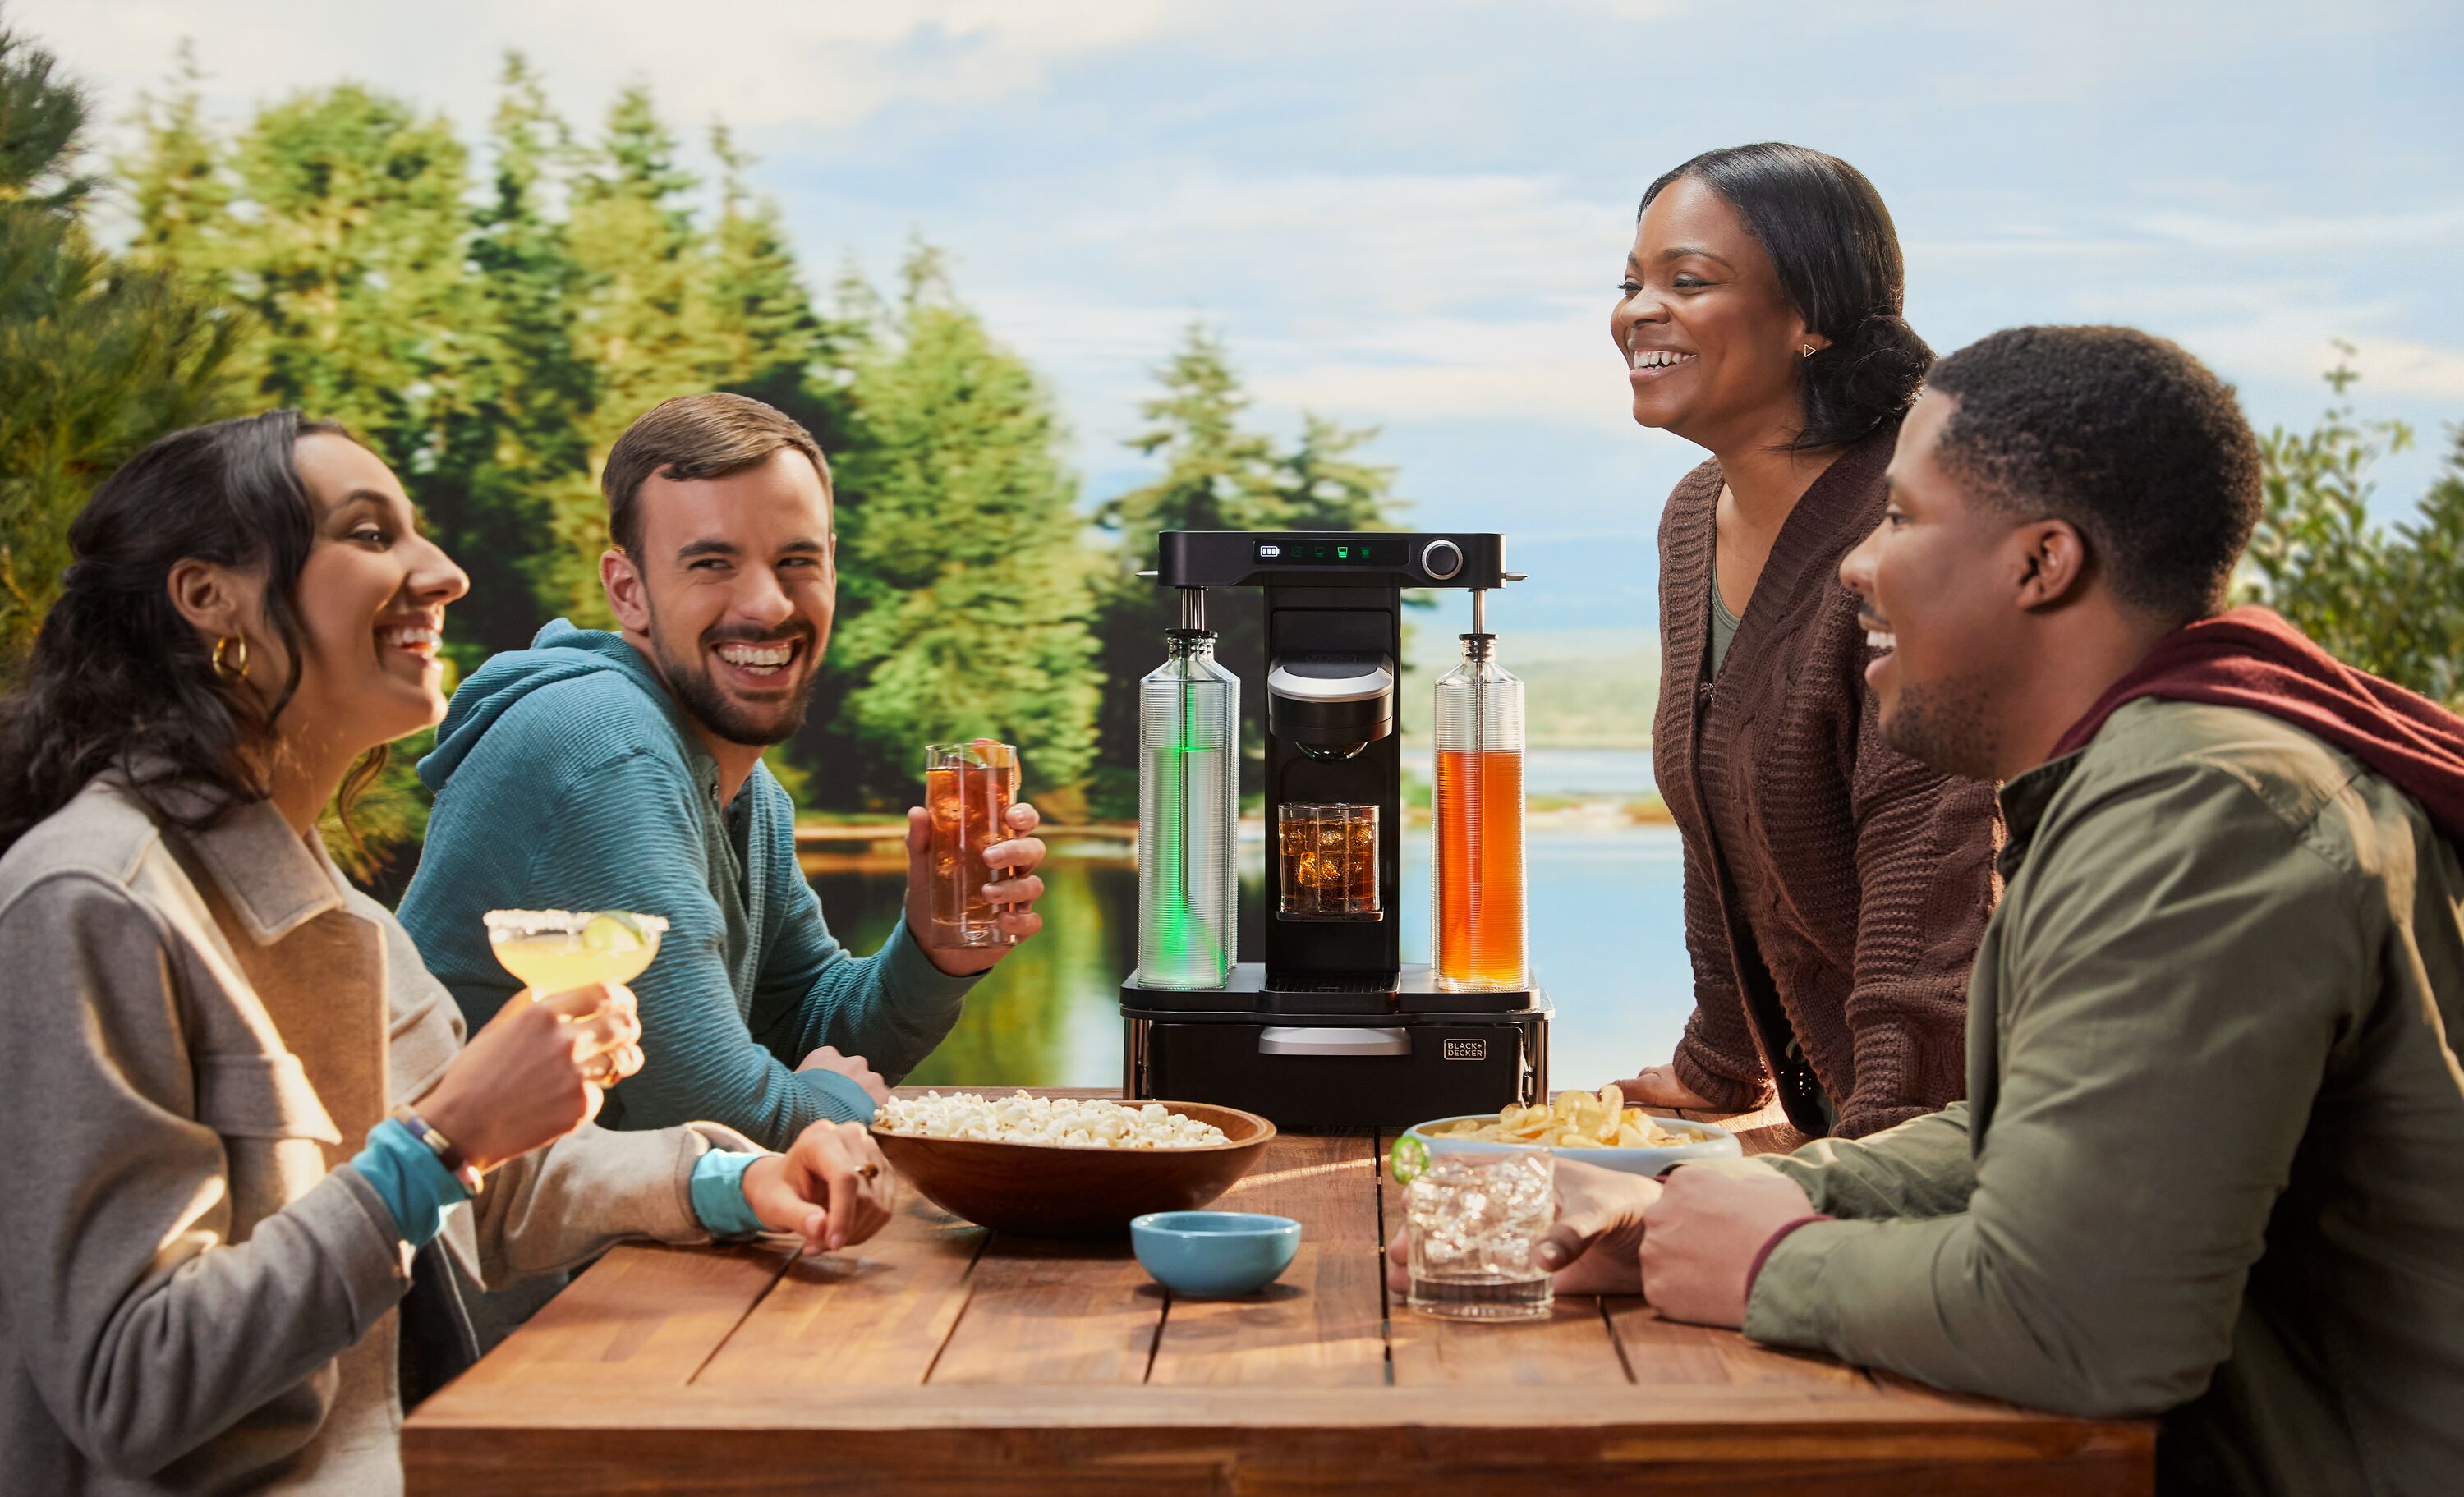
{"type": "Point", "coordinates": [1327, 1025]}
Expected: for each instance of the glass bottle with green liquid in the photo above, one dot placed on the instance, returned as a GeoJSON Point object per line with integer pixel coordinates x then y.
{"type": "Point", "coordinates": [1189, 751]}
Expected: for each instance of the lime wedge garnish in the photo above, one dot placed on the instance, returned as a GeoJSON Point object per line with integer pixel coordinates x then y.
{"type": "Point", "coordinates": [1408, 1158]}
{"type": "Point", "coordinates": [612, 931]}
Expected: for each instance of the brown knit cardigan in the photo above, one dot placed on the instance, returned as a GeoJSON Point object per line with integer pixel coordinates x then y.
{"type": "Point", "coordinates": [1834, 890]}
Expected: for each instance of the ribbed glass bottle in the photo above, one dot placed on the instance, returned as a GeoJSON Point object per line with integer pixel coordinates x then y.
{"type": "Point", "coordinates": [1477, 882]}
{"type": "Point", "coordinates": [1189, 752]}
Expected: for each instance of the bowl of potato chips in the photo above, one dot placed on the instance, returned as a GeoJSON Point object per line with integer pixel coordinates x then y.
{"type": "Point", "coordinates": [1596, 1128]}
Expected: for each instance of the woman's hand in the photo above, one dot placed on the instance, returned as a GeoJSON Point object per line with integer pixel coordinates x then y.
{"type": "Point", "coordinates": [1658, 1087]}
{"type": "Point", "coordinates": [832, 1187]}
{"type": "Point", "coordinates": [1595, 1243]}
{"type": "Point", "coordinates": [534, 1074]}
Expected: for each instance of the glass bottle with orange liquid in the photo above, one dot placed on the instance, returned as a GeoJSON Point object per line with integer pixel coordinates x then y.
{"type": "Point", "coordinates": [1477, 872]}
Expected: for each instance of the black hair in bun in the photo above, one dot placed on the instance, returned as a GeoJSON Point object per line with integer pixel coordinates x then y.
{"type": "Point", "coordinates": [1831, 240]}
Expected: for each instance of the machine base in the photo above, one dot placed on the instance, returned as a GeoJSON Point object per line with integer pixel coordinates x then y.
{"type": "Point", "coordinates": [1386, 1067]}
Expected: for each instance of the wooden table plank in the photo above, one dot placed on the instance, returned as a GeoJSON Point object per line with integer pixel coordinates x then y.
{"type": "Point", "coordinates": [644, 1318]}
{"type": "Point", "coordinates": [1661, 1353]}
{"type": "Point", "coordinates": [1054, 1312]}
{"type": "Point", "coordinates": [1159, 1441]}
{"type": "Point", "coordinates": [1323, 1324]}
{"type": "Point", "coordinates": [877, 1315]}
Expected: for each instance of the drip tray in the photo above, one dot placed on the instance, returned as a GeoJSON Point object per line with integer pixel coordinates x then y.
{"type": "Point", "coordinates": [1413, 990]}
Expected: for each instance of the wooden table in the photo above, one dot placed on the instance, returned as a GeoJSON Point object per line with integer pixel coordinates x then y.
{"type": "Point", "coordinates": [939, 1357]}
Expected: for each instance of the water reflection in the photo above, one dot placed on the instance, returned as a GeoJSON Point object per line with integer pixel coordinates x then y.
{"type": "Point", "coordinates": [1607, 941]}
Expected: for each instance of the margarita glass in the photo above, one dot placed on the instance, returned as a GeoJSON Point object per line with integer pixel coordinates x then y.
{"type": "Point", "coordinates": [554, 951]}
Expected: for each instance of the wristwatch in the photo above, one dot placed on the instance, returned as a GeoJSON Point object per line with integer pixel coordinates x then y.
{"type": "Point", "coordinates": [442, 1147]}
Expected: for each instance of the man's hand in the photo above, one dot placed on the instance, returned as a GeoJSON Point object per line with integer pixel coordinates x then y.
{"type": "Point", "coordinates": [1019, 889]}
{"type": "Point", "coordinates": [851, 1066]}
{"type": "Point", "coordinates": [1593, 1243]}
{"type": "Point", "coordinates": [1703, 1234]}
{"type": "Point", "coordinates": [832, 1187]}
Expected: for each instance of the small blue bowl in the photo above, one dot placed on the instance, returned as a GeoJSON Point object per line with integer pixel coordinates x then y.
{"type": "Point", "coordinates": [1214, 1252]}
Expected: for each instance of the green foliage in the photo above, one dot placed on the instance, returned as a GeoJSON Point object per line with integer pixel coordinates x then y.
{"type": "Point", "coordinates": [1217, 476]}
{"type": "Point", "coordinates": [2391, 603]}
{"type": "Point", "coordinates": [962, 590]}
{"type": "Point", "coordinates": [490, 326]}
{"type": "Point", "coordinates": [97, 357]}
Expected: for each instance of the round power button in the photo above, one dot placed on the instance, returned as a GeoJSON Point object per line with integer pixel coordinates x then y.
{"type": "Point", "coordinates": [1441, 559]}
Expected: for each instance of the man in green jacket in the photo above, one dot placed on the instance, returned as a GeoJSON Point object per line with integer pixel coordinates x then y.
{"type": "Point", "coordinates": [2211, 1163]}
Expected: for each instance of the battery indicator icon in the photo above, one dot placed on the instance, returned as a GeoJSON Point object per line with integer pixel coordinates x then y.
{"type": "Point", "coordinates": [1268, 551]}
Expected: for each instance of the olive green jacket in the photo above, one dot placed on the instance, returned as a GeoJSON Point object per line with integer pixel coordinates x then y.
{"type": "Point", "coordinates": [2211, 1163]}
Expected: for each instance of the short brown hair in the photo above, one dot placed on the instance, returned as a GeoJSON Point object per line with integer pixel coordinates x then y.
{"type": "Point", "coordinates": [696, 436]}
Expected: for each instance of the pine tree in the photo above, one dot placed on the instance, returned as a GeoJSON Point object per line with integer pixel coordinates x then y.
{"type": "Point", "coordinates": [641, 325]}
{"type": "Point", "coordinates": [1217, 476]}
{"type": "Point", "coordinates": [352, 262]}
{"type": "Point", "coordinates": [1318, 486]}
{"type": "Point", "coordinates": [966, 611]}
{"type": "Point", "coordinates": [513, 442]}
{"type": "Point", "coordinates": [767, 335]}
{"type": "Point", "coordinates": [180, 183]}
{"type": "Point", "coordinates": [97, 357]}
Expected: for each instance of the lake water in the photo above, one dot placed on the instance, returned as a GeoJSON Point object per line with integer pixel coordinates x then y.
{"type": "Point", "coordinates": [1607, 941]}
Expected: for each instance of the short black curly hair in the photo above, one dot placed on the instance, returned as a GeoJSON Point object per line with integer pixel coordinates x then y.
{"type": "Point", "coordinates": [2125, 435]}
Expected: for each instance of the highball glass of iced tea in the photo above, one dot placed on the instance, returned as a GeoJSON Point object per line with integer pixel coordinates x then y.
{"type": "Point", "coordinates": [968, 791]}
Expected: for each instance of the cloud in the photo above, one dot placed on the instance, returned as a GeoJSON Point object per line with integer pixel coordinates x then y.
{"type": "Point", "coordinates": [1373, 296]}
{"type": "Point", "coordinates": [762, 63]}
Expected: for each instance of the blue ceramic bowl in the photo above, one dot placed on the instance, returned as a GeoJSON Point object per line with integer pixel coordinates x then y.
{"type": "Point", "coordinates": [1214, 1252]}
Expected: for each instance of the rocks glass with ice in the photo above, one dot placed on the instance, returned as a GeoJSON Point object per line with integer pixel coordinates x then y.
{"type": "Point", "coordinates": [968, 791]}
{"type": "Point", "coordinates": [1472, 1219]}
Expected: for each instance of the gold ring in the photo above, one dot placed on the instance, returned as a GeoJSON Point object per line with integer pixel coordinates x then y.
{"type": "Point", "coordinates": [868, 1172]}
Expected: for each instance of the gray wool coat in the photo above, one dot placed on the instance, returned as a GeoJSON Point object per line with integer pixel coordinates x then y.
{"type": "Point", "coordinates": [194, 1032]}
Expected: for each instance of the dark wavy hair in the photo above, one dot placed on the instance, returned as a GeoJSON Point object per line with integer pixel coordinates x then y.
{"type": "Point", "coordinates": [1831, 239]}
{"type": "Point", "coordinates": [118, 679]}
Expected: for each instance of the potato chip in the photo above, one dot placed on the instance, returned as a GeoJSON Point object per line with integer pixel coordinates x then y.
{"type": "Point", "coordinates": [1571, 1120]}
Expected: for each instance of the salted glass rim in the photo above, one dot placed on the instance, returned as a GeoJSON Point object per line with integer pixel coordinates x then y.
{"type": "Point", "coordinates": [516, 924]}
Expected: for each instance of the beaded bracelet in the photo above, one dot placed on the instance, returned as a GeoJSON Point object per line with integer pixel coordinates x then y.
{"type": "Point", "coordinates": [442, 1147]}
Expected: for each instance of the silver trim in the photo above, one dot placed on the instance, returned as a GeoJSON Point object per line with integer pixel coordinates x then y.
{"type": "Point", "coordinates": [1431, 568]}
{"type": "Point", "coordinates": [1368, 685]}
{"type": "Point", "coordinates": [1335, 1040]}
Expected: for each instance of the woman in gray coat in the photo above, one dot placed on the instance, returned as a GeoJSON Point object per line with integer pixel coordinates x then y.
{"type": "Point", "coordinates": [240, 1117]}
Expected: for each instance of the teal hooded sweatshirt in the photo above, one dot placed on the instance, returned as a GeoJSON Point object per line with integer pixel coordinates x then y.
{"type": "Point", "coordinates": [567, 778]}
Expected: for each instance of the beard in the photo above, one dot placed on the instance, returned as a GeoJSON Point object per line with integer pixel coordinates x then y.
{"type": "Point", "coordinates": [1946, 724]}
{"type": "Point", "coordinates": [709, 704]}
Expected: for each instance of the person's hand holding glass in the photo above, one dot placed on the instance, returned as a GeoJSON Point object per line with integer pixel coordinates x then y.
{"type": "Point", "coordinates": [538, 1070]}
{"type": "Point", "coordinates": [971, 860]}
{"type": "Point", "coordinates": [556, 953]}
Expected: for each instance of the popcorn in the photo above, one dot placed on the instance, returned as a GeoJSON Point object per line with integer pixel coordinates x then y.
{"type": "Point", "coordinates": [1070, 1122]}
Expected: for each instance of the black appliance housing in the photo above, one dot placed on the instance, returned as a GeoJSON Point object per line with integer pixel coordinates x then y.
{"type": "Point", "coordinates": [1322, 1026]}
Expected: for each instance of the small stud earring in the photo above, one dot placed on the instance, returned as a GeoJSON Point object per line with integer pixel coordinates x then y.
{"type": "Point", "coordinates": [1807, 351]}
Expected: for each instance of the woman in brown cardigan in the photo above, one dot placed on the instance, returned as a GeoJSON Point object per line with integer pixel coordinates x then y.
{"type": "Point", "coordinates": [1834, 890]}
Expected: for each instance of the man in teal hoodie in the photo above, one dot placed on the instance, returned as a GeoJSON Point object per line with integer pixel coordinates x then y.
{"type": "Point", "coordinates": [621, 771]}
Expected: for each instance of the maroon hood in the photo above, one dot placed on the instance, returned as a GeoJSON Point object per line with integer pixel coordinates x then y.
{"type": "Point", "coordinates": [2252, 658]}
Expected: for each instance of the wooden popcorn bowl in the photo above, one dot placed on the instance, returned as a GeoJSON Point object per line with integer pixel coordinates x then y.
{"type": "Point", "coordinates": [1054, 1190]}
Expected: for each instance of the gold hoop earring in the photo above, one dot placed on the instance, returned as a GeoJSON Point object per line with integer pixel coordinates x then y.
{"type": "Point", "coordinates": [1806, 351]}
{"type": "Point", "coordinates": [236, 667]}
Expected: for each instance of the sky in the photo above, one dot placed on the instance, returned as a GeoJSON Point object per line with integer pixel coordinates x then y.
{"type": "Point", "coordinates": [1413, 217]}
